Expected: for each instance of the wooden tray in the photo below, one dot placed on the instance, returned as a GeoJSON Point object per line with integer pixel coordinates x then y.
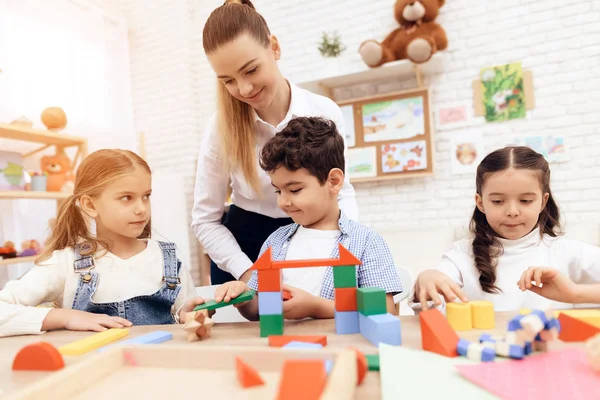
{"type": "Point", "coordinates": [166, 371]}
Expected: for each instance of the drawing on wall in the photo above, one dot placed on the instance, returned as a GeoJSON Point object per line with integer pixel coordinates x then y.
{"type": "Point", "coordinates": [362, 162]}
{"type": "Point", "coordinates": [11, 171]}
{"type": "Point", "coordinates": [395, 119]}
{"type": "Point", "coordinates": [452, 117]}
{"type": "Point", "coordinates": [348, 114]}
{"type": "Point", "coordinates": [466, 152]}
{"type": "Point", "coordinates": [404, 157]}
{"type": "Point", "coordinates": [503, 94]}
{"type": "Point", "coordinates": [553, 148]}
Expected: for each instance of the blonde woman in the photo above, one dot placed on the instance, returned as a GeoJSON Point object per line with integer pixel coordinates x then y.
{"type": "Point", "coordinates": [255, 101]}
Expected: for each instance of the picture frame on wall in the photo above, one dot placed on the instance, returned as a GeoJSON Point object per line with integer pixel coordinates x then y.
{"type": "Point", "coordinates": [390, 136]}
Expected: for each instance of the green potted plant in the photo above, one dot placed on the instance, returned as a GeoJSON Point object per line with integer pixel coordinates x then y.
{"type": "Point", "coordinates": [330, 48]}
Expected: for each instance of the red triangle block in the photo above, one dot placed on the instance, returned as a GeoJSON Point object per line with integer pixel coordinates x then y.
{"type": "Point", "coordinates": [41, 356]}
{"type": "Point", "coordinates": [575, 330]}
{"type": "Point", "coordinates": [362, 365]}
{"type": "Point", "coordinates": [247, 376]}
{"type": "Point", "coordinates": [437, 335]}
{"type": "Point", "coordinates": [302, 380]}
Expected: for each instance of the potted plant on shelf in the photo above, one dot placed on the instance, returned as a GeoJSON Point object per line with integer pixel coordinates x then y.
{"type": "Point", "coordinates": [331, 47]}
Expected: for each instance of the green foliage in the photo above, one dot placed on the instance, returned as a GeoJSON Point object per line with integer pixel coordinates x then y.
{"type": "Point", "coordinates": [331, 45]}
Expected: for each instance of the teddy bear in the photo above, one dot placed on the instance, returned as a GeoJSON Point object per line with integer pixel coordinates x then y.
{"type": "Point", "coordinates": [58, 168]}
{"type": "Point", "coordinates": [417, 38]}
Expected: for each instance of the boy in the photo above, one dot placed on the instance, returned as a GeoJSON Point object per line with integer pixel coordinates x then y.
{"type": "Point", "coordinates": [306, 162]}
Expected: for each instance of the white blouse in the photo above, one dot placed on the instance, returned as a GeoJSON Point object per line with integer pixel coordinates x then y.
{"type": "Point", "coordinates": [212, 177]}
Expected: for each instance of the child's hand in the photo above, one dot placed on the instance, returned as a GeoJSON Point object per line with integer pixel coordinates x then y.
{"type": "Point", "coordinates": [549, 283]}
{"type": "Point", "coordinates": [189, 307]}
{"type": "Point", "coordinates": [75, 320]}
{"type": "Point", "coordinates": [301, 305]}
{"type": "Point", "coordinates": [431, 283]}
{"type": "Point", "coordinates": [231, 290]}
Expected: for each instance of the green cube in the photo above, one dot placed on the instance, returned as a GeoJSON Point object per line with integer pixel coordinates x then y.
{"type": "Point", "coordinates": [371, 301]}
{"type": "Point", "coordinates": [271, 324]}
{"type": "Point", "coordinates": [373, 362]}
{"type": "Point", "coordinates": [344, 277]}
{"type": "Point", "coordinates": [213, 305]}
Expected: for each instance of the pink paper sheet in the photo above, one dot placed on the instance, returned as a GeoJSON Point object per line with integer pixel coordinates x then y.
{"type": "Point", "coordinates": [560, 375]}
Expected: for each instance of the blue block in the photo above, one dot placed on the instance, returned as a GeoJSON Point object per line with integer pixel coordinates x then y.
{"type": "Point", "coordinates": [303, 345]}
{"type": "Point", "coordinates": [486, 337]}
{"type": "Point", "coordinates": [488, 354]}
{"type": "Point", "coordinates": [515, 323]}
{"type": "Point", "coordinates": [516, 352]}
{"type": "Point", "coordinates": [528, 348]}
{"type": "Point", "coordinates": [328, 366]}
{"type": "Point", "coordinates": [381, 328]}
{"type": "Point", "coordinates": [270, 303]}
{"type": "Point", "coordinates": [149, 338]}
{"type": "Point", "coordinates": [553, 323]}
{"type": "Point", "coordinates": [346, 322]}
{"type": "Point", "coordinates": [541, 315]}
{"type": "Point", "coordinates": [462, 347]}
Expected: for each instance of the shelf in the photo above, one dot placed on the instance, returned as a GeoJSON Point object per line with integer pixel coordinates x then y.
{"type": "Point", "coordinates": [26, 194]}
{"type": "Point", "coordinates": [18, 260]}
{"type": "Point", "coordinates": [392, 71]}
{"type": "Point", "coordinates": [25, 134]}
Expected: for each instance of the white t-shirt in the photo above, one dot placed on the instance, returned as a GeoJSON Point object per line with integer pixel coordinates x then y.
{"type": "Point", "coordinates": [54, 280]}
{"type": "Point", "coordinates": [309, 244]}
{"type": "Point", "coordinates": [212, 178]}
{"type": "Point", "coordinates": [577, 260]}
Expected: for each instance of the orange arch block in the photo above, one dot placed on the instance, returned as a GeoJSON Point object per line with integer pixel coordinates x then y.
{"type": "Point", "coordinates": [247, 376]}
{"type": "Point", "coordinates": [41, 356]}
{"type": "Point", "coordinates": [362, 365]}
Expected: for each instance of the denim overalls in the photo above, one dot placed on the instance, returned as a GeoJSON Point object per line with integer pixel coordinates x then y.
{"type": "Point", "coordinates": [154, 309]}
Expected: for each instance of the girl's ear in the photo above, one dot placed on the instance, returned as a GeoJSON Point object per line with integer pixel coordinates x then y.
{"type": "Point", "coordinates": [275, 47]}
{"type": "Point", "coordinates": [545, 201]}
{"type": "Point", "coordinates": [87, 205]}
{"type": "Point", "coordinates": [335, 180]}
{"type": "Point", "coordinates": [479, 202]}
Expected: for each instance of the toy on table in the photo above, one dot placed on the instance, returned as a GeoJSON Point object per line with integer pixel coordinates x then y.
{"type": "Point", "coordinates": [302, 379]}
{"type": "Point", "coordinates": [213, 305]}
{"type": "Point", "coordinates": [574, 329]}
{"type": "Point", "coordinates": [8, 250]}
{"type": "Point", "coordinates": [198, 325]}
{"type": "Point", "coordinates": [155, 337]}
{"type": "Point", "coordinates": [471, 315]}
{"type": "Point", "coordinates": [29, 248]}
{"type": "Point", "coordinates": [41, 356]}
{"type": "Point", "coordinates": [282, 340]}
{"type": "Point", "coordinates": [246, 375]}
{"type": "Point", "coordinates": [357, 310]}
{"type": "Point", "coordinates": [93, 342]}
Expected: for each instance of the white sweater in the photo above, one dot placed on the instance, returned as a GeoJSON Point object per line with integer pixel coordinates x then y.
{"type": "Point", "coordinates": [577, 260]}
{"type": "Point", "coordinates": [54, 280]}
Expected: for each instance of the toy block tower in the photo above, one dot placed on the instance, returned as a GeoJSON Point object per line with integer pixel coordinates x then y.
{"type": "Point", "coordinates": [270, 297]}
{"type": "Point", "coordinates": [346, 308]}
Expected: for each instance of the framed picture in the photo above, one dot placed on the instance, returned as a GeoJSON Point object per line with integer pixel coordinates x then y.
{"type": "Point", "coordinates": [393, 131]}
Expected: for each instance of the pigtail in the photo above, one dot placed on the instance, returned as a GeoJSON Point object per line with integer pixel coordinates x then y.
{"type": "Point", "coordinates": [486, 247]}
{"type": "Point", "coordinates": [549, 221]}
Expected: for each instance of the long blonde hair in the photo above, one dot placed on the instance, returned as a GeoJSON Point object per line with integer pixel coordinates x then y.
{"type": "Point", "coordinates": [94, 174]}
{"type": "Point", "coordinates": [236, 118]}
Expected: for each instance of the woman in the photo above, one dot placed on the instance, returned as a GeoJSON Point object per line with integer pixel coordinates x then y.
{"type": "Point", "coordinates": [255, 102]}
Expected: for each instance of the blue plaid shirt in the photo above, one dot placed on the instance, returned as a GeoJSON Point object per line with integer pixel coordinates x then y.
{"type": "Point", "coordinates": [377, 268]}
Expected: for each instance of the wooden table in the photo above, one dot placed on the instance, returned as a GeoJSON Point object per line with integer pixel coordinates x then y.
{"type": "Point", "coordinates": [231, 334]}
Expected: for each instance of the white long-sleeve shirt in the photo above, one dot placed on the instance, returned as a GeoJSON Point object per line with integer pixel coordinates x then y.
{"type": "Point", "coordinates": [577, 260]}
{"type": "Point", "coordinates": [212, 178]}
{"type": "Point", "coordinates": [55, 281]}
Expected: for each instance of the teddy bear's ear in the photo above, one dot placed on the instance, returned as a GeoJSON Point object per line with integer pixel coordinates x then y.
{"type": "Point", "coordinates": [441, 2]}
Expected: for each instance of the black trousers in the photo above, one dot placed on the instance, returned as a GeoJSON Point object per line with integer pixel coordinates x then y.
{"type": "Point", "coordinates": [250, 230]}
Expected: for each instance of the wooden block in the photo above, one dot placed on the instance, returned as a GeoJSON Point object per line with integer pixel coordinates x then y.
{"type": "Point", "coordinates": [373, 361]}
{"type": "Point", "coordinates": [155, 337]}
{"type": "Point", "coordinates": [269, 280]}
{"type": "Point", "coordinates": [371, 301]}
{"type": "Point", "coordinates": [437, 335]}
{"type": "Point", "coordinates": [41, 356]}
{"type": "Point", "coordinates": [345, 299]}
{"type": "Point", "coordinates": [575, 330]}
{"type": "Point", "coordinates": [271, 324]}
{"type": "Point", "coordinates": [246, 375]}
{"type": "Point", "coordinates": [483, 314]}
{"type": "Point", "coordinates": [344, 277]}
{"type": "Point", "coordinates": [213, 305]}
{"type": "Point", "coordinates": [302, 380]}
{"type": "Point", "coordinates": [362, 366]}
{"type": "Point", "coordinates": [93, 342]}
{"type": "Point", "coordinates": [459, 316]}
{"type": "Point", "coordinates": [590, 316]}
{"type": "Point", "coordinates": [270, 303]}
{"type": "Point", "coordinates": [282, 340]}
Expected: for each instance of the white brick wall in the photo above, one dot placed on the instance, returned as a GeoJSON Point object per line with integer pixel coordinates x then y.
{"type": "Point", "coordinates": [173, 88]}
